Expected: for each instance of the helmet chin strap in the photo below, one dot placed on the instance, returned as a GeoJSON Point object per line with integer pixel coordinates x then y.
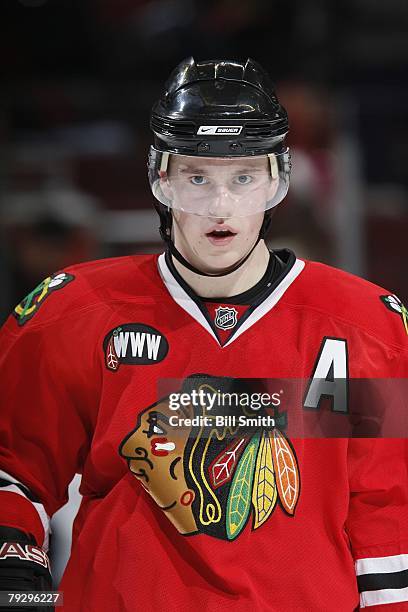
{"type": "Point", "coordinates": [175, 253]}
{"type": "Point", "coordinates": [171, 247]}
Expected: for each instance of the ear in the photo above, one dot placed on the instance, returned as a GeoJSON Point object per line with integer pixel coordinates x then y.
{"type": "Point", "coordinates": [272, 189]}
{"type": "Point", "coordinates": [165, 186]}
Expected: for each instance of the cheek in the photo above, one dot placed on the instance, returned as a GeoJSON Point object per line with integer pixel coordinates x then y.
{"type": "Point", "coordinates": [189, 225]}
{"type": "Point", "coordinates": [254, 225]}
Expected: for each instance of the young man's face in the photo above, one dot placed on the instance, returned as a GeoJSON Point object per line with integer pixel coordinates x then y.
{"type": "Point", "coordinates": [218, 206]}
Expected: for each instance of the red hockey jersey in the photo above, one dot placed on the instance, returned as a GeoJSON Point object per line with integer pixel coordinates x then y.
{"type": "Point", "coordinates": [99, 368]}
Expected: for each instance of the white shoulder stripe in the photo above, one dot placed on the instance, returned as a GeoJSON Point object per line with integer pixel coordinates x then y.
{"type": "Point", "coordinates": [384, 596]}
{"type": "Point", "coordinates": [45, 519]}
{"type": "Point", "coordinates": [382, 565]}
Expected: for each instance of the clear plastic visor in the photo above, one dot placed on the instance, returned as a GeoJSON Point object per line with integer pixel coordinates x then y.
{"type": "Point", "coordinates": [218, 186]}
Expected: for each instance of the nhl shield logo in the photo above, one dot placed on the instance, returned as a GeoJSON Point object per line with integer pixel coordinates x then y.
{"type": "Point", "coordinates": [225, 318]}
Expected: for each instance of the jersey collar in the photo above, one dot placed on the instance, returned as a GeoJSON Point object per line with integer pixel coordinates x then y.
{"type": "Point", "coordinates": [183, 295]}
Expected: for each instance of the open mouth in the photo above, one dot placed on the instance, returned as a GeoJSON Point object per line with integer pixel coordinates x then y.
{"type": "Point", "coordinates": [220, 235]}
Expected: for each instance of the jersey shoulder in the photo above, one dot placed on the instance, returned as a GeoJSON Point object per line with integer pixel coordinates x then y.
{"type": "Point", "coordinates": [89, 286]}
{"type": "Point", "coordinates": [337, 294]}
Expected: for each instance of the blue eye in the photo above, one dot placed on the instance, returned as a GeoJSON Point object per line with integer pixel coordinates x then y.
{"type": "Point", "coordinates": [243, 179]}
{"type": "Point", "coordinates": [198, 180]}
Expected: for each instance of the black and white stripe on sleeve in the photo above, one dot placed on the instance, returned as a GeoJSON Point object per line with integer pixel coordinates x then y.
{"type": "Point", "coordinates": [382, 580]}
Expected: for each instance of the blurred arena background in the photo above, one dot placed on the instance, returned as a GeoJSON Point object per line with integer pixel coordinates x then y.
{"type": "Point", "coordinates": [78, 78]}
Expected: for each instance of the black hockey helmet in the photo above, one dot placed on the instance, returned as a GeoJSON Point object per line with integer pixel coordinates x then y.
{"type": "Point", "coordinates": [217, 109]}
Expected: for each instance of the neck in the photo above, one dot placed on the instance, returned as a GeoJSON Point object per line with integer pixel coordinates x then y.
{"type": "Point", "coordinates": [242, 279]}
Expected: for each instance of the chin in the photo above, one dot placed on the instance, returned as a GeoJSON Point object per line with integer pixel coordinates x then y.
{"type": "Point", "coordinates": [216, 263]}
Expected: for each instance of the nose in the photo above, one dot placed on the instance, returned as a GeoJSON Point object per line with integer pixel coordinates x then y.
{"type": "Point", "coordinates": [221, 203]}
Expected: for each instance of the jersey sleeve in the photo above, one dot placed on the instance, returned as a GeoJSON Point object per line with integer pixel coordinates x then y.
{"type": "Point", "coordinates": [377, 523]}
{"type": "Point", "coordinates": [48, 402]}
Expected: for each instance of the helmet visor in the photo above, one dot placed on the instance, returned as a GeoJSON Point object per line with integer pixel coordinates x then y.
{"type": "Point", "coordinates": [219, 187]}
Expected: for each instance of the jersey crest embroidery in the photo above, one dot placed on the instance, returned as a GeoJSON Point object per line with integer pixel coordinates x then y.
{"type": "Point", "coordinates": [393, 303]}
{"type": "Point", "coordinates": [29, 306]}
{"type": "Point", "coordinates": [211, 479]}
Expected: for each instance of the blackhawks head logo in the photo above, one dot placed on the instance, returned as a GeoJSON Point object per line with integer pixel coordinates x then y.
{"type": "Point", "coordinates": [208, 478]}
{"type": "Point", "coordinates": [394, 304]}
{"type": "Point", "coordinates": [32, 302]}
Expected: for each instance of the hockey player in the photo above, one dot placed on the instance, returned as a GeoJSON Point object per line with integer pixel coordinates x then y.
{"type": "Point", "coordinates": [112, 369]}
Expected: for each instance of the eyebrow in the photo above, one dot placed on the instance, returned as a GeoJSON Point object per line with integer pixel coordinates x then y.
{"type": "Point", "coordinates": [191, 169]}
